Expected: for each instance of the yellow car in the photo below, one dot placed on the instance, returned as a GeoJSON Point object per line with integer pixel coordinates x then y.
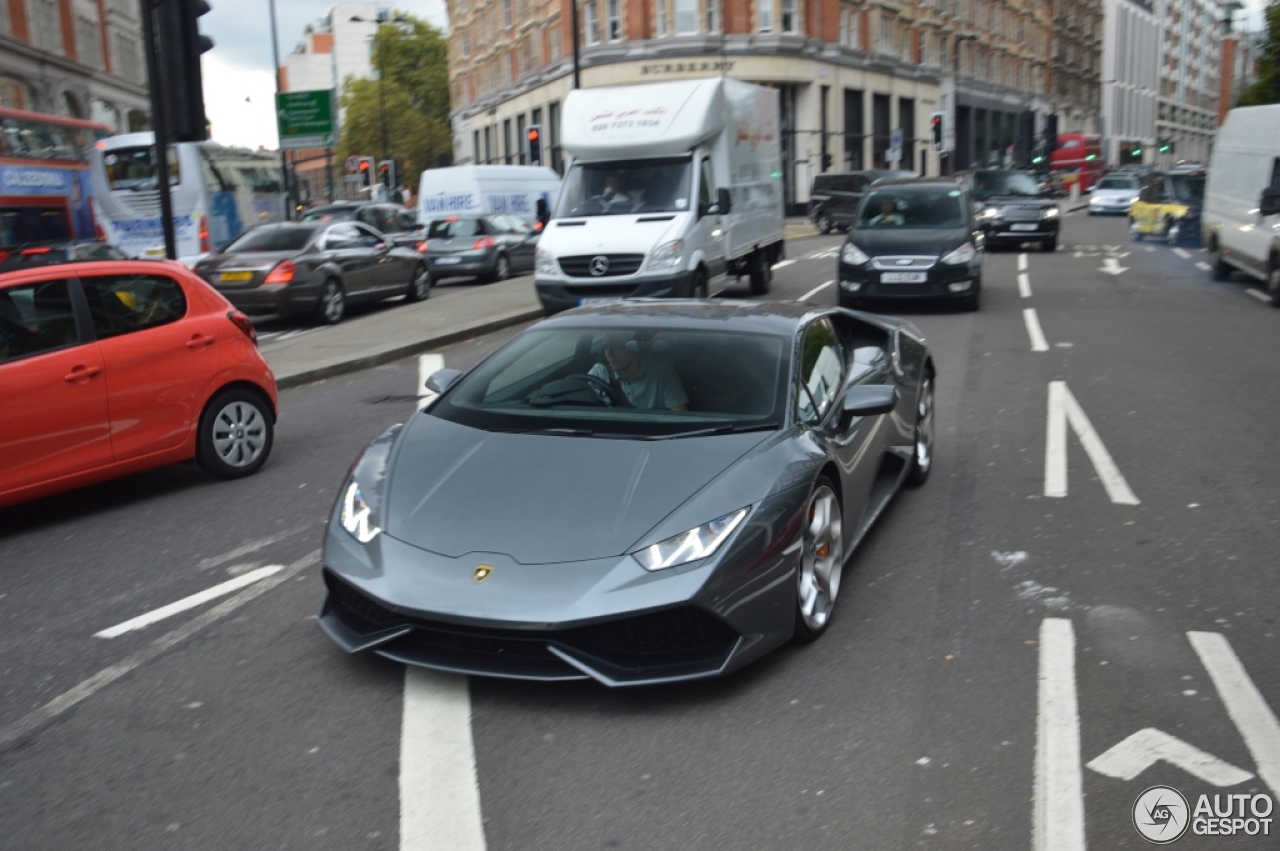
{"type": "Point", "coordinates": [1168, 207]}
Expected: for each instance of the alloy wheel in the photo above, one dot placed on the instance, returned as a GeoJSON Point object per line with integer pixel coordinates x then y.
{"type": "Point", "coordinates": [822, 559]}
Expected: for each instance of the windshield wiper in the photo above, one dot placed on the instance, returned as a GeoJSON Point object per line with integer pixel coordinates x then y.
{"type": "Point", "coordinates": [724, 429]}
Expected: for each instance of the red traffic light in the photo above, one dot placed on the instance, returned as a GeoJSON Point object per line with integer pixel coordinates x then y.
{"type": "Point", "coordinates": [364, 165]}
{"type": "Point", "coordinates": [533, 134]}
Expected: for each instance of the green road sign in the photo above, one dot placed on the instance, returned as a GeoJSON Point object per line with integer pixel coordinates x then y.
{"type": "Point", "coordinates": [305, 119]}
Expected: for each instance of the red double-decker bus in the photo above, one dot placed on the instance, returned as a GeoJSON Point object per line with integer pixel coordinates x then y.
{"type": "Point", "coordinates": [44, 177]}
{"type": "Point", "coordinates": [1078, 159]}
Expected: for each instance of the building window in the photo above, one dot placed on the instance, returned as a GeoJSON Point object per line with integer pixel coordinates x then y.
{"type": "Point", "coordinates": [887, 22]}
{"type": "Point", "coordinates": [686, 17]}
{"type": "Point", "coordinates": [506, 13]}
{"type": "Point", "coordinates": [466, 45]}
{"type": "Point", "coordinates": [90, 47]}
{"type": "Point", "coordinates": [554, 46]}
{"type": "Point", "coordinates": [789, 17]}
{"type": "Point", "coordinates": [713, 16]}
{"type": "Point", "coordinates": [592, 22]}
{"type": "Point", "coordinates": [764, 13]}
{"type": "Point", "coordinates": [615, 20]}
{"type": "Point", "coordinates": [660, 29]}
{"type": "Point", "coordinates": [46, 29]}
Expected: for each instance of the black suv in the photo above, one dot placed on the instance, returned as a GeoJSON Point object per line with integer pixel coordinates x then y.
{"type": "Point", "coordinates": [1012, 208]}
{"type": "Point", "coordinates": [834, 196]}
{"type": "Point", "coordinates": [397, 223]}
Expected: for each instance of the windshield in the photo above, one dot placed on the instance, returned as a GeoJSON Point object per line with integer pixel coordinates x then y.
{"type": "Point", "coordinates": [331, 214]}
{"type": "Point", "coordinates": [1188, 190]}
{"type": "Point", "coordinates": [620, 188]}
{"type": "Point", "coordinates": [1117, 183]}
{"type": "Point", "coordinates": [904, 209]}
{"type": "Point", "coordinates": [989, 183]}
{"type": "Point", "coordinates": [641, 383]}
{"type": "Point", "coordinates": [277, 238]}
{"type": "Point", "coordinates": [135, 168]}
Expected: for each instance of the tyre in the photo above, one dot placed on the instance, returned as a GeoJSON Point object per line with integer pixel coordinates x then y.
{"type": "Point", "coordinates": [973, 301]}
{"type": "Point", "coordinates": [501, 269]}
{"type": "Point", "coordinates": [1218, 267]}
{"type": "Point", "coordinates": [1050, 244]}
{"type": "Point", "coordinates": [823, 223]}
{"type": "Point", "coordinates": [922, 458]}
{"type": "Point", "coordinates": [761, 273]}
{"type": "Point", "coordinates": [699, 289]}
{"type": "Point", "coordinates": [420, 285]}
{"type": "Point", "coordinates": [1273, 282]}
{"type": "Point", "coordinates": [1134, 232]}
{"type": "Point", "coordinates": [821, 561]}
{"type": "Point", "coordinates": [236, 434]}
{"type": "Point", "coordinates": [332, 305]}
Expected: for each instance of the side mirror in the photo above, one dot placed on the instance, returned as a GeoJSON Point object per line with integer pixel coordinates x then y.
{"type": "Point", "coordinates": [723, 201]}
{"type": "Point", "coordinates": [863, 400]}
{"type": "Point", "coordinates": [442, 379]}
{"type": "Point", "coordinates": [544, 211]}
{"type": "Point", "coordinates": [1269, 203]}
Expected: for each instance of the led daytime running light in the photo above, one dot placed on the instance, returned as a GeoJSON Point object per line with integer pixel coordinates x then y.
{"type": "Point", "coordinates": [357, 517]}
{"type": "Point", "coordinates": [698, 543]}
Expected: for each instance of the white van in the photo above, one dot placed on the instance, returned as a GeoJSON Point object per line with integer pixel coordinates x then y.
{"type": "Point", "coordinates": [486, 189]}
{"type": "Point", "coordinates": [673, 187]}
{"type": "Point", "coordinates": [1241, 219]}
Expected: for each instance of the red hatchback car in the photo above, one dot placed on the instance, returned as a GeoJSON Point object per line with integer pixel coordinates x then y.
{"type": "Point", "coordinates": [112, 367]}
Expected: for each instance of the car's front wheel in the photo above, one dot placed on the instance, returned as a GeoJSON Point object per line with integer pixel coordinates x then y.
{"type": "Point", "coordinates": [1134, 231]}
{"type": "Point", "coordinates": [922, 459]}
{"type": "Point", "coordinates": [236, 434]}
{"type": "Point", "coordinates": [821, 561]}
{"type": "Point", "coordinates": [823, 223]}
{"type": "Point", "coordinates": [1218, 267]}
{"type": "Point", "coordinates": [1273, 282]}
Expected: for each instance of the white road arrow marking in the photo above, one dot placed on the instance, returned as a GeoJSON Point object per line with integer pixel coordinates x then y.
{"type": "Point", "coordinates": [1064, 410]}
{"type": "Point", "coordinates": [1259, 295]}
{"type": "Point", "coordinates": [1203, 266]}
{"type": "Point", "coordinates": [1252, 716]}
{"type": "Point", "coordinates": [1057, 822]}
{"type": "Point", "coordinates": [782, 264]}
{"type": "Point", "coordinates": [1112, 266]}
{"type": "Point", "coordinates": [1146, 747]}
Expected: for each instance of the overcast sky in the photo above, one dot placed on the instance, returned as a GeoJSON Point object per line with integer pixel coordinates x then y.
{"type": "Point", "coordinates": [240, 67]}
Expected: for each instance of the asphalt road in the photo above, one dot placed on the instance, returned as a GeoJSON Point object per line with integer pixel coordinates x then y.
{"type": "Point", "coordinates": [1086, 583]}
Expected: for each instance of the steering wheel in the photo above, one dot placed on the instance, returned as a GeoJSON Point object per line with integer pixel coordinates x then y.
{"type": "Point", "coordinates": [601, 386]}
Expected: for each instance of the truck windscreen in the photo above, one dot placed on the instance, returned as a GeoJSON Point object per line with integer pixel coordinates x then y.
{"type": "Point", "coordinates": [626, 187]}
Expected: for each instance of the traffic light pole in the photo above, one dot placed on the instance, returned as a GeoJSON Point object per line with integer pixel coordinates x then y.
{"type": "Point", "coordinates": [159, 124]}
{"type": "Point", "coordinates": [284, 161]}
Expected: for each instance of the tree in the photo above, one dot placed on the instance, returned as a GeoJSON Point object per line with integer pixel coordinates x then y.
{"type": "Point", "coordinates": [1267, 88]}
{"type": "Point", "coordinates": [412, 57]}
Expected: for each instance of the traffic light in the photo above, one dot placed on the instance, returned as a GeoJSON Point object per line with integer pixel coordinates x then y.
{"type": "Point", "coordinates": [937, 127]}
{"type": "Point", "coordinates": [180, 48]}
{"type": "Point", "coordinates": [387, 173]}
{"type": "Point", "coordinates": [1166, 145]}
{"type": "Point", "coordinates": [1051, 133]}
{"type": "Point", "coordinates": [366, 171]}
{"type": "Point", "coordinates": [1137, 152]}
{"type": "Point", "coordinates": [533, 141]}
{"type": "Point", "coordinates": [826, 161]}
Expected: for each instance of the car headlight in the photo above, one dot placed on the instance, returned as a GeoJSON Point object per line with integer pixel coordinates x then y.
{"type": "Point", "coordinates": [701, 542]}
{"type": "Point", "coordinates": [544, 263]}
{"type": "Point", "coordinates": [963, 254]}
{"type": "Point", "coordinates": [853, 255]}
{"type": "Point", "coordinates": [988, 213]}
{"type": "Point", "coordinates": [356, 516]}
{"type": "Point", "coordinates": [1049, 213]}
{"type": "Point", "coordinates": [667, 255]}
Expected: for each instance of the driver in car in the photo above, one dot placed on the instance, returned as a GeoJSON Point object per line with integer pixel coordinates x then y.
{"type": "Point", "coordinates": [645, 382]}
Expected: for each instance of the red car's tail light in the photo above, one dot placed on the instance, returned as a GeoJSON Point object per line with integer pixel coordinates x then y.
{"type": "Point", "coordinates": [282, 273]}
{"type": "Point", "coordinates": [484, 242]}
{"type": "Point", "coordinates": [242, 322]}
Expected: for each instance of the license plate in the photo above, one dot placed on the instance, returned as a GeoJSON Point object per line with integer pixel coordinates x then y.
{"type": "Point", "coordinates": [1027, 226]}
{"type": "Point", "coordinates": [235, 277]}
{"type": "Point", "coordinates": [155, 252]}
{"type": "Point", "coordinates": [448, 261]}
{"type": "Point", "coordinates": [903, 277]}
{"type": "Point", "coordinates": [598, 300]}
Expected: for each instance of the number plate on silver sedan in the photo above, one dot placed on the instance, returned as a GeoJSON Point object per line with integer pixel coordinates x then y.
{"type": "Point", "coordinates": [903, 277]}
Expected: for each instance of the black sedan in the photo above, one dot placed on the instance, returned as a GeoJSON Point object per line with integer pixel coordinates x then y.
{"type": "Point", "coordinates": [913, 240]}
{"type": "Point", "coordinates": [492, 248]}
{"type": "Point", "coordinates": [1013, 209]}
{"type": "Point", "coordinates": [396, 222]}
{"type": "Point", "coordinates": [315, 268]}
{"type": "Point", "coordinates": [631, 493]}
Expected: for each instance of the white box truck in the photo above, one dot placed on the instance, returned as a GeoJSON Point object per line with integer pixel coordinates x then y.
{"type": "Point", "coordinates": [485, 189]}
{"type": "Point", "coordinates": [670, 188]}
{"type": "Point", "coordinates": [1240, 223]}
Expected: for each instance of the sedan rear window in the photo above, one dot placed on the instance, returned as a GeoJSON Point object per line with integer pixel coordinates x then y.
{"type": "Point", "coordinates": [271, 239]}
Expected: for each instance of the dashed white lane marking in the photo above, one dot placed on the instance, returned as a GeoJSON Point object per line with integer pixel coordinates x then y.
{"type": "Point", "coordinates": [1058, 819]}
{"type": "Point", "coordinates": [1064, 410]}
{"type": "Point", "coordinates": [1024, 285]}
{"type": "Point", "coordinates": [782, 264]}
{"type": "Point", "coordinates": [199, 599]}
{"type": "Point", "coordinates": [439, 795]}
{"type": "Point", "coordinates": [33, 721]}
{"type": "Point", "coordinates": [427, 365]}
{"type": "Point", "coordinates": [816, 290]}
{"type": "Point", "coordinates": [253, 546]}
{"type": "Point", "coordinates": [1259, 295]}
{"type": "Point", "coordinates": [1203, 266]}
{"type": "Point", "coordinates": [1038, 342]}
{"type": "Point", "coordinates": [1185, 255]}
{"type": "Point", "coordinates": [1022, 262]}
{"type": "Point", "coordinates": [1253, 718]}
